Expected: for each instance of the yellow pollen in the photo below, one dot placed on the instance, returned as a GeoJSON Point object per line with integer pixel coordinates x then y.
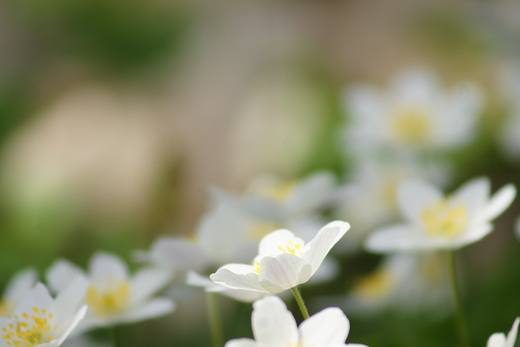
{"type": "Point", "coordinates": [444, 219]}
{"type": "Point", "coordinates": [112, 301]}
{"type": "Point", "coordinates": [257, 267]}
{"type": "Point", "coordinates": [280, 191]}
{"type": "Point", "coordinates": [29, 331]}
{"type": "Point", "coordinates": [291, 247]}
{"type": "Point", "coordinates": [411, 124]}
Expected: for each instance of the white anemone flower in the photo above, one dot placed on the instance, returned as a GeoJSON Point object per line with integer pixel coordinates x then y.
{"type": "Point", "coordinates": [436, 221]}
{"type": "Point", "coordinates": [500, 340]}
{"type": "Point", "coordinates": [40, 320]}
{"type": "Point", "coordinates": [21, 283]}
{"type": "Point", "coordinates": [113, 297]}
{"type": "Point", "coordinates": [274, 326]}
{"type": "Point", "coordinates": [284, 261]}
{"type": "Point", "coordinates": [414, 113]}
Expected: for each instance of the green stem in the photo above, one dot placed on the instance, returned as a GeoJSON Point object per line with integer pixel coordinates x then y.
{"type": "Point", "coordinates": [114, 335]}
{"type": "Point", "coordinates": [459, 312]}
{"type": "Point", "coordinates": [300, 302]}
{"type": "Point", "coordinates": [215, 322]}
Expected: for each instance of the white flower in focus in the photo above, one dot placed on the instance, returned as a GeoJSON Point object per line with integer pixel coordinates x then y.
{"type": "Point", "coordinates": [414, 113]}
{"type": "Point", "coordinates": [500, 340]}
{"type": "Point", "coordinates": [406, 282]}
{"type": "Point", "coordinates": [274, 325]}
{"type": "Point", "coordinates": [40, 320]}
{"type": "Point", "coordinates": [113, 297]}
{"type": "Point", "coordinates": [436, 221]}
{"type": "Point", "coordinates": [284, 261]}
{"type": "Point", "coordinates": [21, 283]}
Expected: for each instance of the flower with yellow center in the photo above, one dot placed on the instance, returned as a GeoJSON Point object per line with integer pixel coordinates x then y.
{"type": "Point", "coordinates": [284, 261]}
{"type": "Point", "coordinates": [439, 222]}
{"type": "Point", "coordinates": [113, 297]}
{"type": "Point", "coordinates": [40, 320]}
{"type": "Point", "coordinates": [21, 283]}
{"type": "Point", "coordinates": [274, 325]}
{"type": "Point", "coordinates": [414, 113]}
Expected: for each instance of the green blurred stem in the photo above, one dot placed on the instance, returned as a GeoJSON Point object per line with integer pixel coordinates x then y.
{"type": "Point", "coordinates": [459, 313]}
{"type": "Point", "coordinates": [215, 323]}
{"type": "Point", "coordinates": [300, 302]}
{"type": "Point", "coordinates": [114, 336]}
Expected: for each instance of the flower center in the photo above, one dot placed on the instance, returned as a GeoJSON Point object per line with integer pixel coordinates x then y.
{"type": "Point", "coordinates": [29, 329]}
{"type": "Point", "coordinates": [411, 124]}
{"type": "Point", "coordinates": [373, 285]}
{"type": "Point", "coordinates": [6, 307]}
{"type": "Point", "coordinates": [279, 192]}
{"type": "Point", "coordinates": [444, 219]}
{"type": "Point", "coordinates": [293, 247]}
{"type": "Point", "coordinates": [110, 301]}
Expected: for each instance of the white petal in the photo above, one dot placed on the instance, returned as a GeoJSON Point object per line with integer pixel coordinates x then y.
{"type": "Point", "coordinates": [311, 193]}
{"type": "Point", "coordinates": [498, 203]}
{"type": "Point", "coordinates": [104, 266]}
{"type": "Point", "coordinates": [60, 274]}
{"type": "Point", "coordinates": [147, 282]}
{"type": "Point", "coordinates": [244, 342]}
{"type": "Point", "coordinates": [269, 246]}
{"type": "Point", "coordinates": [472, 235]}
{"type": "Point", "coordinates": [413, 196]}
{"type": "Point", "coordinates": [238, 276]}
{"type": "Point", "coordinates": [497, 340]}
{"type": "Point", "coordinates": [20, 284]}
{"type": "Point", "coordinates": [326, 328]}
{"type": "Point", "coordinates": [194, 279]}
{"type": "Point", "coordinates": [273, 325]}
{"type": "Point", "coordinates": [511, 336]}
{"type": "Point", "coordinates": [474, 194]}
{"type": "Point", "coordinates": [320, 246]}
{"type": "Point", "coordinates": [401, 238]}
{"type": "Point", "coordinates": [39, 296]}
{"type": "Point", "coordinates": [154, 308]}
{"type": "Point", "coordinates": [177, 252]}
{"type": "Point", "coordinates": [283, 272]}
{"type": "Point", "coordinates": [72, 323]}
{"type": "Point", "coordinates": [69, 300]}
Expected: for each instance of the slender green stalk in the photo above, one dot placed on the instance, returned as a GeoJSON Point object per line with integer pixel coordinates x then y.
{"type": "Point", "coordinates": [114, 336]}
{"type": "Point", "coordinates": [301, 303]}
{"type": "Point", "coordinates": [459, 312]}
{"type": "Point", "coordinates": [215, 323]}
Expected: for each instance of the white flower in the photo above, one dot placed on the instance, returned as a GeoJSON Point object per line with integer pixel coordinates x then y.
{"type": "Point", "coordinates": [408, 282]}
{"type": "Point", "coordinates": [439, 222]}
{"type": "Point", "coordinates": [222, 236]}
{"type": "Point", "coordinates": [21, 283]}
{"type": "Point", "coordinates": [274, 326]}
{"type": "Point", "coordinates": [113, 297]}
{"type": "Point", "coordinates": [414, 113]}
{"type": "Point", "coordinates": [500, 340]}
{"type": "Point", "coordinates": [40, 320]}
{"type": "Point", "coordinates": [284, 261]}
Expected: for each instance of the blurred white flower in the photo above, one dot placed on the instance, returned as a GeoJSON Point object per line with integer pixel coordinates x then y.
{"type": "Point", "coordinates": [372, 196]}
{"type": "Point", "coordinates": [414, 113]}
{"type": "Point", "coordinates": [284, 261]}
{"type": "Point", "coordinates": [274, 325]}
{"type": "Point", "coordinates": [21, 283]}
{"type": "Point", "coordinates": [500, 340]}
{"type": "Point", "coordinates": [40, 320]}
{"type": "Point", "coordinates": [406, 282]}
{"type": "Point", "coordinates": [113, 297]}
{"type": "Point", "coordinates": [439, 222]}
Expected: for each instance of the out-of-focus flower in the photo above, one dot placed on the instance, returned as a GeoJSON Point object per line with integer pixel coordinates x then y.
{"type": "Point", "coordinates": [21, 283]}
{"type": "Point", "coordinates": [274, 325]}
{"type": "Point", "coordinates": [40, 320]}
{"type": "Point", "coordinates": [113, 297]}
{"type": "Point", "coordinates": [439, 222]}
{"type": "Point", "coordinates": [222, 236]}
{"type": "Point", "coordinates": [371, 200]}
{"type": "Point", "coordinates": [407, 282]}
{"type": "Point", "coordinates": [500, 340]}
{"type": "Point", "coordinates": [284, 261]}
{"type": "Point", "coordinates": [414, 113]}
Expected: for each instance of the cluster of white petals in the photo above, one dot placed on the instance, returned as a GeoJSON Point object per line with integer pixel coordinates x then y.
{"type": "Point", "coordinates": [113, 297]}
{"type": "Point", "coordinates": [500, 340]}
{"type": "Point", "coordinates": [21, 284]}
{"type": "Point", "coordinates": [438, 222]}
{"type": "Point", "coordinates": [274, 326]}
